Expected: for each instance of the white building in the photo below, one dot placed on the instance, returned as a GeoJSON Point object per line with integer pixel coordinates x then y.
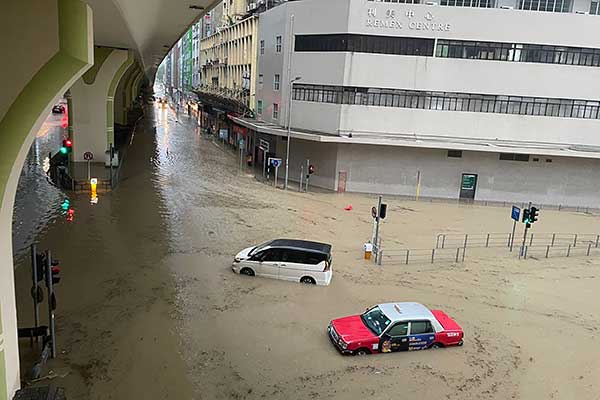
{"type": "Point", "coordinates": [466, 98]}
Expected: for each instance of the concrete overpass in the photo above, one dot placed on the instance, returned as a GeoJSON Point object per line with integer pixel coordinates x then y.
{"type": "Point", "coordinates": [101, 50]}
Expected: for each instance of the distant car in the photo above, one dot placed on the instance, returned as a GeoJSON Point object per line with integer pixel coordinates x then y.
{"type": "Point", "coordinates": [286, 259]}
{"type": "Point", "coordinates": [58, 109]}
{"type": "Point", "coordinates": [393, 327]}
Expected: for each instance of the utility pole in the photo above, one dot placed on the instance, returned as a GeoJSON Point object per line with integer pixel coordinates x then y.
{"type": "Point", "coordinates": [376, 239]}
{"type": "Point", "coordinates": [290, 93]}
{"type": "Point", "coordinates": [50, 287]}
{"type": "Point", "coordinates": [526, 229]}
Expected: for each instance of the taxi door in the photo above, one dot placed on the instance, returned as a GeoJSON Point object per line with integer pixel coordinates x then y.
{"type": "Point", "coordinates": [395, 338]}
{"type": "Point", "coordinates": [421, 335]}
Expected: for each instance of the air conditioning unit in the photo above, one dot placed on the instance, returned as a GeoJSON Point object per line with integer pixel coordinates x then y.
{"type": "Point", "coordinates": [431, 3]}
{"type": "Point", "coordinates": [507, 7]}
{"type": "Point", "coordinates": [581, 12]}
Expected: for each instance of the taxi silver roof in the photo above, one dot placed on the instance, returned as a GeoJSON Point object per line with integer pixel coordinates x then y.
{"type": "Point", "coordinates": [406, 311]}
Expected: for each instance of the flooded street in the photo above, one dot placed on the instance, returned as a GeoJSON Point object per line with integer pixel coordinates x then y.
{"type": "Point", "coordinates": [148, 306]}
{"type": "Point", "coordinates": [37, 203]}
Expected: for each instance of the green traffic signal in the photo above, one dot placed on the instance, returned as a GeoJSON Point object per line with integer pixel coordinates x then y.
{"type": "Point", "coordinates": [63, 150]}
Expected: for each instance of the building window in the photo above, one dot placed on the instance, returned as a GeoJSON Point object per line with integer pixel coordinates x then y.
{"type": "Point", "coordinates": [594, 8]}
{"type": "Point", "coordinates": [261, 79]}
{"type": "Point", "coordinates": [409, 46]}
{"type": "Point", "coordinates": [262, 47]}
{"type": "Point", "coordinates": [448, 101]}
{"type": "Point", "coordinates": [276, 82]}
{"type": "Point", "coordinates": [278, 44]}
{"type": "Point", "coordinates": [468, 3]}
{"type": "Point", "coordinates": [516, 52]}
{"type": "Point", "coordinates": [275, 111]}
{"type": "Point", "coordinates": [455, 153]}
{"type": "Point", "coordinates": [545, 5]}
{"type": "Point", "coordinates": [514, 157]}
{"type": "Point", "coordinates": [259, 107]}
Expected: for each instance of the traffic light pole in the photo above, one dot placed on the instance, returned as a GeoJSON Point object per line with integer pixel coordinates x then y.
{"type": "Point", "coordinates": [307, 173]}
{"type": "Point", "coordinates": [512, 237]}
{"type": "Point", "coordinates": [376, 240]}
{"type": "Point", "coordinates": [522, 252]}
{"type": "Point", "coordinates": [50, 308]}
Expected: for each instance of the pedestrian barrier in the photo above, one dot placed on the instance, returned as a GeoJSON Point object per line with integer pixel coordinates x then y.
{"type": "Point", "coordinates": [452, 240]}
{"type": "Point", "coordinates": [419, 256]}
{"type": "Point", "coordinates": [548, 251]}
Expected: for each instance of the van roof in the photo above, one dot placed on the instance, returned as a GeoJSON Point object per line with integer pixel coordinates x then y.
{"type": "Point", "coordinates": [296, 244]}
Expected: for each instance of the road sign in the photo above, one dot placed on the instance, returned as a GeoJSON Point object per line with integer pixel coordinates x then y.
{"type": "Point", "coordinates": [374, 212]}
{"type": "Point", "coordinates": [88, 156]}
{"type": "Point", "coordinates": [242, 143]}
{"type": "Point", "coordinates": [263, 145]}
{"type": "Point", "coordinates": [515, 213]}
{"type": "Point", "coordinates": [275, 162]}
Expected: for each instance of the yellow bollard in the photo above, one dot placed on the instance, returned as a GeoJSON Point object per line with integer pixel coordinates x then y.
{"type": "Point", "coordinates": [368, 247]}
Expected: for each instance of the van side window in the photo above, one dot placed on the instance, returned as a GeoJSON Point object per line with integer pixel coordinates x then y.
{"type": "Point", "coordinates": [272, 255]}
{"type": "Point", "coordinates": [314, 258]}
{"type": "Point", "coordinates": [296, 256]}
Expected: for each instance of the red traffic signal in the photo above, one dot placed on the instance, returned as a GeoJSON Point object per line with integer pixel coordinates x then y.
{"type": "Point", "coordinates": [68, 143]}
{"type": "Point", "coordinates": [55, 277]}
{"type": "Point", "coordinates": [311, 169]}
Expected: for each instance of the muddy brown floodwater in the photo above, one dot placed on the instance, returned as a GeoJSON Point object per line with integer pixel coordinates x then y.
{"type": "Point", "coordinates": [148, 307]}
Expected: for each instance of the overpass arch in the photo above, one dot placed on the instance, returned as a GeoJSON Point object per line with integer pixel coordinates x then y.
{"type": "Point", "coordinates": [62, 31]}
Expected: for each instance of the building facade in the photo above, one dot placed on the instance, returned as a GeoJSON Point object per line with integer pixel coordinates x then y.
{"type": "Point", "coordinates": [475, 99]}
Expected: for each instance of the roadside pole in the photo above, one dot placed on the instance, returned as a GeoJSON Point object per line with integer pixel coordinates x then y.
{"type": "Point", "coordinates": [301, 173]}
{"type": "Point", "coordinates": [34, 288]}
{"type": "Point", "coordinates": [418, 185]}
{"type": "Point", "coordinates": [512, 237]}
{"type": "Point", "coordinates": [376, 240]}
{"type": "Point", "coordinates": [522, 252]}
{"type": "Point", "coordinates": [275, 185]}
{"type": "Point", "coordinates": [50, 305]}
{"type": "Point", "coordinates": [307, 174]}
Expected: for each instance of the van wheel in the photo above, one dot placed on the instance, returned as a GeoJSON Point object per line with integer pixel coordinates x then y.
{"type": "Point", "coordinates": [247, 271]}
{"type": "Point", "coordinates": [437, 346]}
{"type": "Point", "coordinates": [362, 352]}
{"type": "Point", "coordinates": [308, 280]}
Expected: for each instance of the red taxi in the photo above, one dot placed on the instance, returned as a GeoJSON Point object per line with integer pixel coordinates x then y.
{"type": "Point", "coordinates": [394, 327]}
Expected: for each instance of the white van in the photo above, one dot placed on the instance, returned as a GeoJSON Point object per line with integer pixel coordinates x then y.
{"type": "Point", "coordinates": [287, 259]}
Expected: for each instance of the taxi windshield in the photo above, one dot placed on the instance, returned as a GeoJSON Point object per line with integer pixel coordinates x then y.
{"type": "Point", "coordinates": [375, 320]}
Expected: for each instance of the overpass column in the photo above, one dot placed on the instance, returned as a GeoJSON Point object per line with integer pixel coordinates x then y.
{"type": "Point", "coordinates": [31, 82]}
{"type": "Point", "coordinates": [121, 95]}
{"type": "Point", "coordinates": [93, 103]}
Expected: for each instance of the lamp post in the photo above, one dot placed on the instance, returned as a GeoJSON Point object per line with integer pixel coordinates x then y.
{"type": "Point", "coordinates": [289, 128]}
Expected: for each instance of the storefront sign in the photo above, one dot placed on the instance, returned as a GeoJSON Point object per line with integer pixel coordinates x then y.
{"type": "Point", "coordinates": [417, 21]}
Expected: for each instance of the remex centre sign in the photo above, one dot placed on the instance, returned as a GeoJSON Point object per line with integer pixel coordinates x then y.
{"type": "Point", "coordinates": [392, 19]}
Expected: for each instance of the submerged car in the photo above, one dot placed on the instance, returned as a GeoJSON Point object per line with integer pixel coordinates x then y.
{"type": "Point", "coordinates": [58, 109]}
{"type": "Point", "coordinates": [287, 259]}
{"type": "Point", "coordinates": [393, 327]}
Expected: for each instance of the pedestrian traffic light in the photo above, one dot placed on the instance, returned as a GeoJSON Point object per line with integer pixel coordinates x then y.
{"type": "Point", "coordinates": [533, 214]}
{"type": "Point", "coordinates": [382, 210]}
{"type": "Point", "coordinates": [525, 218]}
{"type": "Point", "coordinates": [55, 272]}
{"type": "Point", "coordinates": [311, 169]}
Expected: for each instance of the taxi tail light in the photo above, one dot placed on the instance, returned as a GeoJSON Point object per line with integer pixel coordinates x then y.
{"type": "Point", "coordinates": [327, 266]}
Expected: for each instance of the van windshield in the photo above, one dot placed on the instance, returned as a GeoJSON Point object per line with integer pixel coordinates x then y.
{"type": "Point", "coordinates": [260, 247]}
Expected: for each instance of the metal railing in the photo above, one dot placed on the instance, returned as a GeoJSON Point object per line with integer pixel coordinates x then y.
{"type": "Point", "coordinates": [559, 251]}
{"type": "Point", "coordinates": [419, 256]}
{"type": "Point", "coordinates": [452, 240]}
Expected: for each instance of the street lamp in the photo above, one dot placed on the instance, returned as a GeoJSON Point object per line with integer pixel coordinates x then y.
{"type": "Point", "coordinates": [289, 127]}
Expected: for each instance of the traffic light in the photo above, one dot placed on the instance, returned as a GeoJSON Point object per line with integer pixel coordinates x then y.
{"type": "Point", "coordinates": [65, 205]}
{"type": "Point", "coordinates": [382, 210]}
{"type": "Point", "coordinates": [311, 169]}
{"type": "Point", "coordinates": [525, 218]}
{"type": "Point", "coordinates": [55, 272]}
{"type": "Point", "coordinates": [40, 265]}
{"type": "Point", "coordinates": [533, 214]}
{"type": "Point", "coordinates": [67, 146]}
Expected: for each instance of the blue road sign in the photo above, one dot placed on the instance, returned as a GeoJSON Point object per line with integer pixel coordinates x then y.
{"type": "Point", "coordinates": [276, 162]}
{"type": "Point", "coordinates": [515, 213]}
